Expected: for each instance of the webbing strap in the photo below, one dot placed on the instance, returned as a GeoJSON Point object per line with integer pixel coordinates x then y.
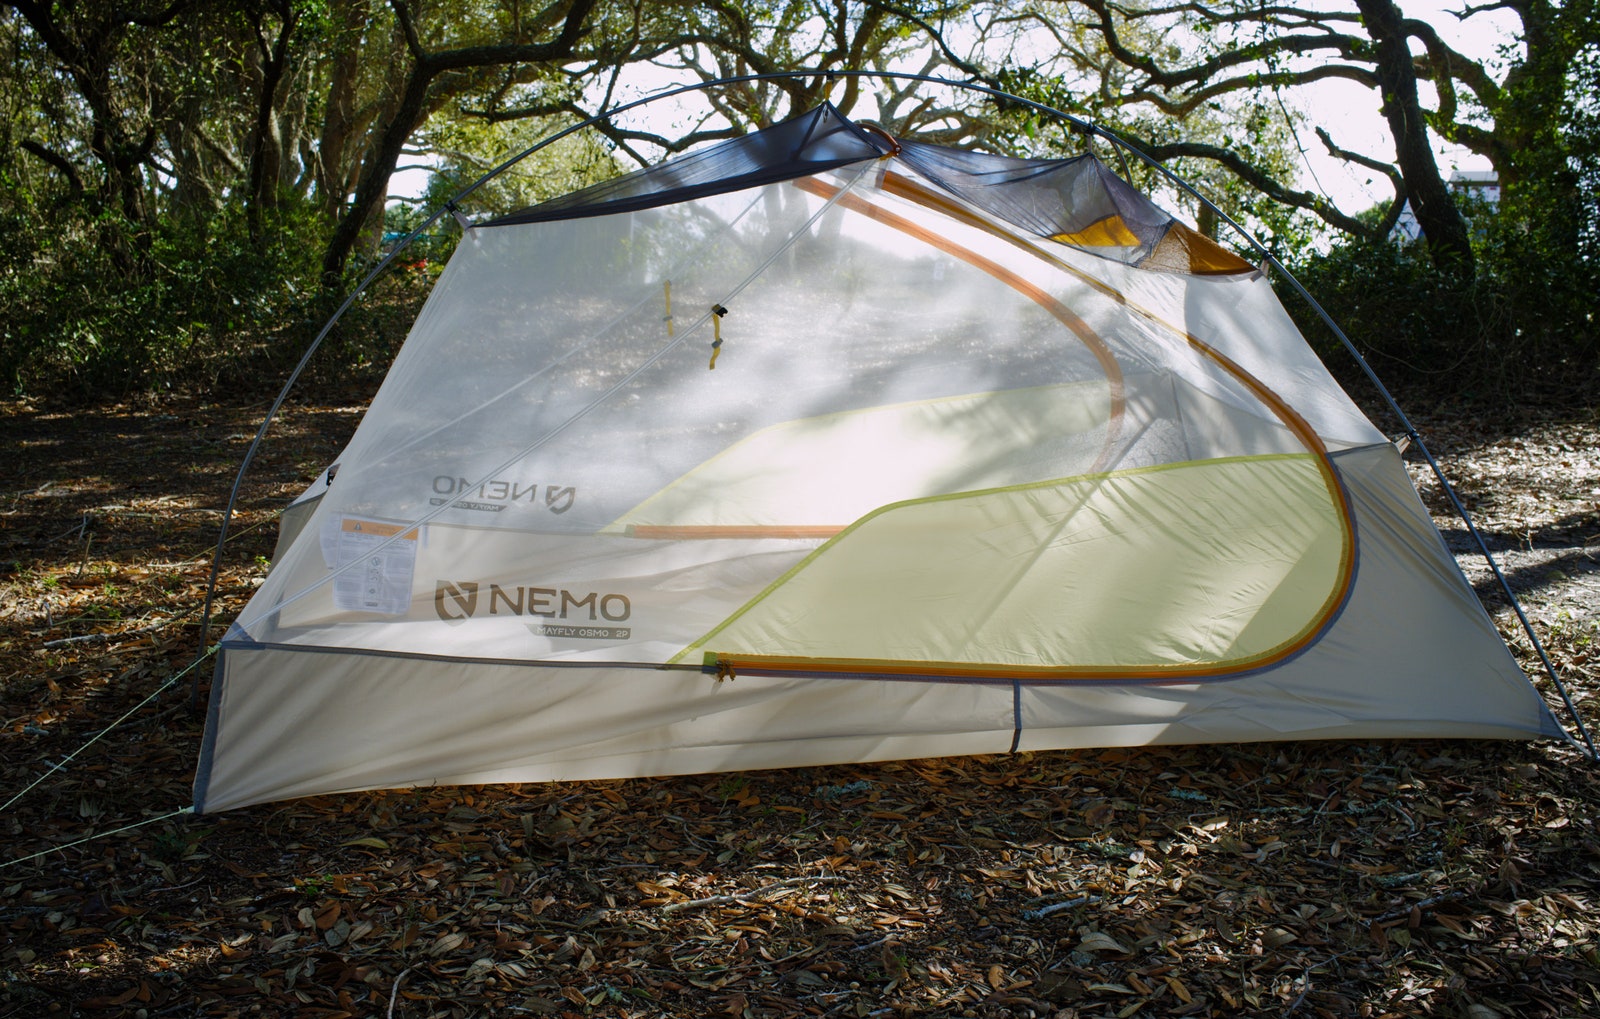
{"type": "Point", "coordinates": [717, 311]}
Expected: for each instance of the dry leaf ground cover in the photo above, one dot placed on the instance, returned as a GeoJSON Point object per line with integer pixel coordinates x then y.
{"type": "Point", "coordinates": [1317, 879]}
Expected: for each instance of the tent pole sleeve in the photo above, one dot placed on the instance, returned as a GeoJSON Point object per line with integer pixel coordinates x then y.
{"type": "Point", "coordinates": [1405, 422]}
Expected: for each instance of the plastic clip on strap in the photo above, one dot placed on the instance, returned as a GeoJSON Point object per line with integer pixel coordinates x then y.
{"type": "Point", "coordinates": [717, 311]}
{"type": "Point", "coordinates": [1082, 131]}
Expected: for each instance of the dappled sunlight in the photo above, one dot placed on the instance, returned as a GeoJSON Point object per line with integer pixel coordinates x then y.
{"type": "Point", "coordinates": [1182, 881]}
{"type": "Point", "coordinates": [1402, 878]}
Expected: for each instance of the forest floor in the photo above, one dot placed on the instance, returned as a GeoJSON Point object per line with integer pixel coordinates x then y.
{"type": "Point", "coordinates": [1331, 879]}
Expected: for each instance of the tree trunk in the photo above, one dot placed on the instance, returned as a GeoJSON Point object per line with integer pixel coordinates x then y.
{"type": "Point", "coordinates": [333, 176]}
{"type": "Point", "coordinates": [266, 144]}
{"type": "Point", "coordinates": [373, 187]}
{"type": "Point", "coordinates": [1442, 224]}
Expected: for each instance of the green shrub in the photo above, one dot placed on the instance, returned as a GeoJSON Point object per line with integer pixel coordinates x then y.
{"type": "Point", "coordinates": [96, 307]}
{"type": "Point", "coordinates": [1520, 328]}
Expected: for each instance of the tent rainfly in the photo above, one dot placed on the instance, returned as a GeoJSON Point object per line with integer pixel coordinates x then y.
{"type": "Point", "coordinates": [817, 446]}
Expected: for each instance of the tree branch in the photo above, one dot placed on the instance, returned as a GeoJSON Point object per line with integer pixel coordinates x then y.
{"type": "Point", "coordinates": [408, 29]}
{"type": "Point", "coordinates": [1252, 14]}
{"type": "Point", "coordinates": [1397, 206]}
{"type": "Point", "coordinates": [56, 160]}
{"type": "Point", "coordinates": [1444, 62]}
{"type": "Point", "coordinates": [162, 18]}
{"type": "Point", "coordinates": [1345, 46]}
{"type": "Point", "coordinates": [1256, 178]}
{"type": "Point", "coordinates": [937, 36]}
{"type": "Point", "coordinates": [1274, 80]}
{"type": "Point", "coordinates": [1387, 169]}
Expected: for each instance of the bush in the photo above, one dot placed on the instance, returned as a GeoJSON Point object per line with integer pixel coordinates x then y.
{"type": "Point", "coordinates": [102, 309]}
{"type": "Point", "coordinates": [1521, 328]}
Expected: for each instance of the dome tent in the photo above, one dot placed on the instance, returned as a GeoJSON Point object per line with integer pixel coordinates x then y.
{"type": "Point", "coordinates": [819, 446]}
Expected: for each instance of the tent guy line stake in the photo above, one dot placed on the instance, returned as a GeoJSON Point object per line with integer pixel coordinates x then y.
{"type": "Point", "coordinates": [158, 691]}
{"type": "Point", "coordinates": [683, 337]}
{"type": "Point", "coordinates": [96, 837]}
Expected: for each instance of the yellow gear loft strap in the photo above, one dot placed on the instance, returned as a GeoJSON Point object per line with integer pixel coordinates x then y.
{"type": "Point", "coordinates": [666, 286]}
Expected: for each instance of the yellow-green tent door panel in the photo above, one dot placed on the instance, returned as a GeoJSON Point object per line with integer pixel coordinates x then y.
{"type": "Point", "coordinates": [1214, 564]}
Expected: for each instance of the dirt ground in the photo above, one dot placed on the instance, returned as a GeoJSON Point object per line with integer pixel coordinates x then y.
{"type": "Point", "coordinates": [1316, 879]}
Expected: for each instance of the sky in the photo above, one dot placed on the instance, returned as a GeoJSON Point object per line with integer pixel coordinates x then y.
{"type": "Point", "coordinates": [1347, 110]}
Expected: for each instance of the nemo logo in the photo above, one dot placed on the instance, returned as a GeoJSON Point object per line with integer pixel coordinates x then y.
{"type": "Point", "coordinates": [464, 595]}
{"type": "Point", "coordinates": [495, 494]}
{"type": "Point", "coordinates": [455, 601]}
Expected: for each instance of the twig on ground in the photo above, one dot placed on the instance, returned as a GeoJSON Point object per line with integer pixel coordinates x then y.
{"type": "Point", "coordinates": [1428, 903]}
{"type": "Point", "coordinates": [723, 900]}
{"type": "Point", "coordinates": [1041, 913]}
{"type": "Point", "coordinates": [95, 638]}
{"type": "Point", "coordinates": [1305, 980]}
{"type": "Point", "coordinates": [394, 991]}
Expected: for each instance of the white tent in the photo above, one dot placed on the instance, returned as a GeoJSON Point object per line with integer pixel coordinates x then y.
{"type": "Point", "coordinates": [818, 446]}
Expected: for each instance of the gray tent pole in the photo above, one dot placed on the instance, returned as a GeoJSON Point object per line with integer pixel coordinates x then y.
{"type": "Point", "coordinates": [826, 74]}
{"type": "Point", "coordinates": [266, 422]}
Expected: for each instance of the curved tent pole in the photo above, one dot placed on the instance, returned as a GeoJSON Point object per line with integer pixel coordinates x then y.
{"type": "Point", "coordinates": [1088, 128]}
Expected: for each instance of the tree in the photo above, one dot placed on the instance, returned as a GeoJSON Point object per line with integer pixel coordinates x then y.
{"type": "Point", "coordinates": [434, 72]}
{"type": "Point", "coordinates": [109, 55]}
{"type": "Point", "coordinates": [709, 42]}
{"type": "Point", "coordinates": [1241, 47]}
{"type": "Point", "coordinates": [1441, 222]}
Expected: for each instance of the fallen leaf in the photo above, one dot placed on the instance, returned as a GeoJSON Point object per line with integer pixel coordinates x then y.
{"type": "Point", "coordinates": [1097, 941]}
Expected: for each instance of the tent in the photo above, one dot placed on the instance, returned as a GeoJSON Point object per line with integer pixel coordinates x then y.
{"type": "Point", "coordinates": [822, 446]}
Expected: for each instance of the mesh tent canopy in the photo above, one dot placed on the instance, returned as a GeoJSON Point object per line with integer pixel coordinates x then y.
{"type": "Point", "coordinates": [819, 446]}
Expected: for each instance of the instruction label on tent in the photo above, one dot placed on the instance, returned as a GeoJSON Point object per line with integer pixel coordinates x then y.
{"type": "Point", "coordinates": [380, 580]}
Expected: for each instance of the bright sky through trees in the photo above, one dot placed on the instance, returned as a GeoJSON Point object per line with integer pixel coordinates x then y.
{"type": "Point", "coordinates": [1347, 110]}
{"type": "Point", "coordinates": [1350, 112]}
